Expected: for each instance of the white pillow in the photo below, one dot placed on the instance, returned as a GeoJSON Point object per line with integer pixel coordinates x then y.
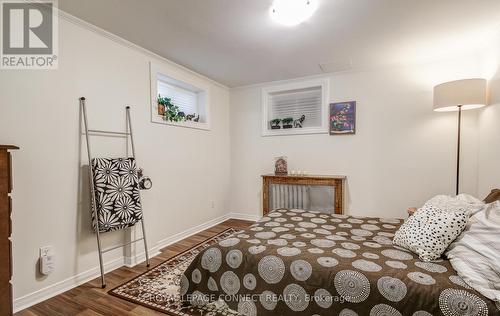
{"type": "Point", "coordinates": [475, 255]}
{"type": "Point", "coordinates": [430, 230]}
{"type": "Point", "coordinates": [460, 202]}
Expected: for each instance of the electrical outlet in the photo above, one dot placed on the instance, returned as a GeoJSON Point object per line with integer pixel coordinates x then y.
{"type": "Point", "coordinates": [47, 265]}
{"type": "Point", "coordinates": [46, 262]}
{"type": "Point", "coordinates": [46, 251]}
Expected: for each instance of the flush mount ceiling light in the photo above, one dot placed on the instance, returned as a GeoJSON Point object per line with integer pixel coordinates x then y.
{"type": "Point", "coordinates": [292, 12]}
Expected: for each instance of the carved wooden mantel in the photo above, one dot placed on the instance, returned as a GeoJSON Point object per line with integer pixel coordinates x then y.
{"type": "Point", "coordinates": [336, 182]}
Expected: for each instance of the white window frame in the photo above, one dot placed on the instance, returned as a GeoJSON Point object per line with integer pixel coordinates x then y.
{"type": "Point", "coordinates": [324, 83]}
{"type": "Point", "coordinates": [183, 81]}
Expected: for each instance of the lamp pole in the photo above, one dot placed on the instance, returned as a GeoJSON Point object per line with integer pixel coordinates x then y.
{"type": "Point", "coordinates": [463, 94]}
{"type": "Point", "coordinates": [458, 148]}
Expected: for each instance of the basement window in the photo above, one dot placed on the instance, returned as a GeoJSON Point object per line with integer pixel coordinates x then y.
{"type": "Point", "coordinates": [178, 102]}
{"type": "Point", "coordinates": [296, 108]}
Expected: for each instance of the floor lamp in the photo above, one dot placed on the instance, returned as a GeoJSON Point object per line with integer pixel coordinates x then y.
{"type": "Point", "coordinates": [460, 95]}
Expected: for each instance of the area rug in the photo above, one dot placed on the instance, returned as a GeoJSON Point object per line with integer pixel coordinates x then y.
{"type": "Point", "coordinates": [158, 288]}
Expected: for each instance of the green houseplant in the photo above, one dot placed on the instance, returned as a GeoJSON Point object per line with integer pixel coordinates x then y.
{"type": "Point", "coordinates": [287, 122]}
{"type": "Point", "coordinates": [275, 124]}
{"type": "Point", "coordinates": [168, 110]}
{"type": "Point", "coordinates": [162, 103]}
{"type": "Point", "coordinates": [171, 112]}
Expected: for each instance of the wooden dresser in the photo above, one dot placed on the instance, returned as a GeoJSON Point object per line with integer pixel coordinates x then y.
{"type": "Point", "coordinates": [5, 230]}
{"type": "Point", "coordinates": [337, 184]}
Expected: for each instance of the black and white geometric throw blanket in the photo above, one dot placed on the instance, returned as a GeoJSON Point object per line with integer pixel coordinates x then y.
{"type": "Point", "coordinates": [117, 193]}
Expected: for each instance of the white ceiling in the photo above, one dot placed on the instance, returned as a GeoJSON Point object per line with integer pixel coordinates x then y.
{"type": "Point", "coordinates": [236, 43]}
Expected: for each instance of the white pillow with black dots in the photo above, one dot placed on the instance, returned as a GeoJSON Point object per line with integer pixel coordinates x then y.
{"type": "Point", "coordinates": [430, 230]}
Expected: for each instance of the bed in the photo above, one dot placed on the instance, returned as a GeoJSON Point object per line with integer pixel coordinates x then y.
{"type": "Point", "coordinates": [295, 262]}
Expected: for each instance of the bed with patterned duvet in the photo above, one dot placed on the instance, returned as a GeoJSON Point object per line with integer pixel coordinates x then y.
{"type": "Point", "coordinates": [295, 262]}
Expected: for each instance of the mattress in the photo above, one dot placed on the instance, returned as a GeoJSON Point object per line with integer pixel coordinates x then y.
{"type": "Point", "coordinates": [295, 262]}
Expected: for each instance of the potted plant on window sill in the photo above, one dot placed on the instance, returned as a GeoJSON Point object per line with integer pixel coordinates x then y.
{"type": "Point", "coordinates": [287, 122]}
{"type": "Point", "coordinates": [172, 113]}
{"type": "Point", "coordinates": [163, 103]}
{"type": "Point", "coordinates": [168, 110]}
{"type": "Point", "coordinates": [275, 124]}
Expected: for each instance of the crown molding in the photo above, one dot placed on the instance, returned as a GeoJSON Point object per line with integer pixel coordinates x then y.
{"type": "Point", "coordinates": [120, 40]}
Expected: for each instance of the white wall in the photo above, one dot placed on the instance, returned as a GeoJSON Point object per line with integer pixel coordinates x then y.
{"type": "Point", "coordinates": [40, 113]}
{"type": "Point", "coordinates": [402, 153]}
{"type": "Point", "coordinates": [489, 123]}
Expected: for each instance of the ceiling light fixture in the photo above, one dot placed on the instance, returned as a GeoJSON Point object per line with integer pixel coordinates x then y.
{"type": "Point", "coordinates": [292, 12]}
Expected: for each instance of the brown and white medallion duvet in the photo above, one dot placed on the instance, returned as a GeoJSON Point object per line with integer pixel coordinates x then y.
{"type": "Point", "coordinates": [301, 262]}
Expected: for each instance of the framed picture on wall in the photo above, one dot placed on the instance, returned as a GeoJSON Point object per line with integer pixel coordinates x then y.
{"type": "Point", "coordinates": [342, 119]}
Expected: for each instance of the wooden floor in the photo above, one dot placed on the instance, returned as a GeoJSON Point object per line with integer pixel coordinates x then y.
{"type": "Point", "coordinates": [90, 299]}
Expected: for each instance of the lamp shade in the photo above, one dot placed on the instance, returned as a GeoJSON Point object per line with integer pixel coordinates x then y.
{"type": "Point", "coordinates": [467, 94]}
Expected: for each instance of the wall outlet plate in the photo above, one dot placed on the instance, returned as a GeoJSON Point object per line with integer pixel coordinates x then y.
{"type": "Point", "coordinates": [47, 265]}
{"type": "Point", "coordinates": [46, 251]}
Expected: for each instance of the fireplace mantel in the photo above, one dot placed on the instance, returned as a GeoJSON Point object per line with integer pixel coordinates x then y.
{"type": "Point", "coordinates": [335, 181]}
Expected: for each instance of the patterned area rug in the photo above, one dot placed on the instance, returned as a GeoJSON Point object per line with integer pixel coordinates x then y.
{"type": "Point", "coordinates": [158, 288]}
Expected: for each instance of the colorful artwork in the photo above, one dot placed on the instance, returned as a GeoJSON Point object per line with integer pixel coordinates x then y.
{"type": "Point", "coordinates": [343, 118]}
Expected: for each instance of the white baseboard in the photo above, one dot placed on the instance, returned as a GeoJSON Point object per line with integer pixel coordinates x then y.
{"type": "Point", "coordinates": [139, 258]}
{"type": "Point", "coordinates": [81, 278]}
{"type": "Point", "coordinates": [64, 285]}
{"type": "Point", "coordinates": [194, 230]}
{"type": "Point", "coordinates": [245, 217]}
